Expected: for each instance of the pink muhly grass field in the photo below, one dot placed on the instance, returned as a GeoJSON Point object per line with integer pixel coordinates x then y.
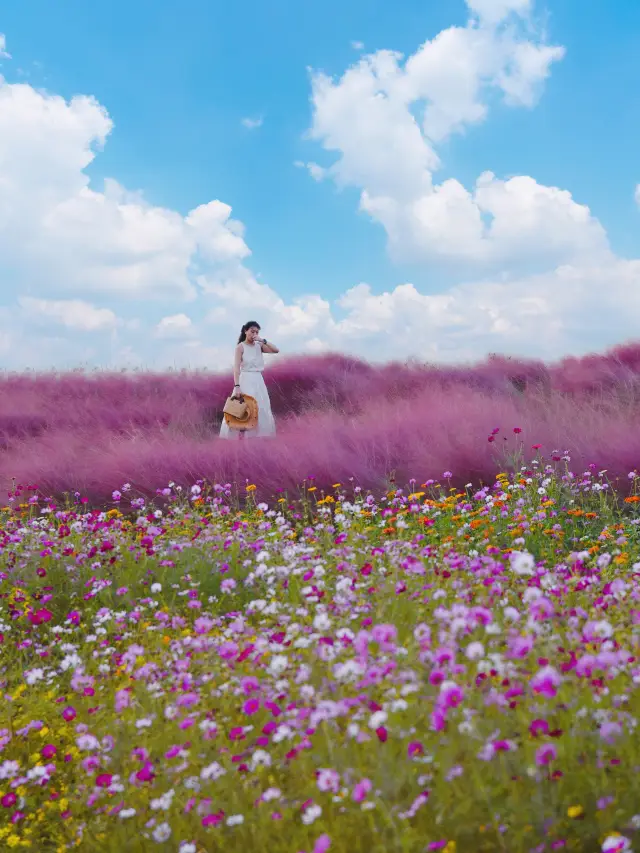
{"type": "Point", "coordinates": [338, 418]}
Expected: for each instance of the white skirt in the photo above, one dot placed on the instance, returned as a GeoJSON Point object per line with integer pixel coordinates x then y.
{"type": "Point", "coordinates": [253, 384]}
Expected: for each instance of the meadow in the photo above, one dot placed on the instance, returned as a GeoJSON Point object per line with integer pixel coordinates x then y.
{"type": "Point", "coordinates": [206, 647]}
{"type": "Point", "coordinates": [338, 418]}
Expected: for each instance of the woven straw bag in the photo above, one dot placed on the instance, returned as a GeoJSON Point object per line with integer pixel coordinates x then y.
{"type": "Point", "coordinates": [237, 408]}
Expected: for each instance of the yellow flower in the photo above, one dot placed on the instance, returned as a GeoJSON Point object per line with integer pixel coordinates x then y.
{"type": "Point", "coordinates": [450, 848]}
{"type": "Point", "coordinates": [575, 812]}
{"type": "Point", "coordinates": [336, 485]}
{"type": "Point", "coordinates": [251, 488]}
{"type": "Point", "coordinates": [13, 840]}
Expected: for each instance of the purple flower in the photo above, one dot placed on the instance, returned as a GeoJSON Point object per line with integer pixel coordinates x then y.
{"type": "Point", "coordinates": [546, 754]}
{"type": "Point", "coordinates": [361, 790]}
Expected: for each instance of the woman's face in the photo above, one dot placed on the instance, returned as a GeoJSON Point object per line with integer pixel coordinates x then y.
{"type": "Point", "coordinates": [252, 333]}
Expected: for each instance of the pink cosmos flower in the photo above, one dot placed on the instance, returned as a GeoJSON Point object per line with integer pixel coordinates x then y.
{"type": "Point", "coordinates": [451, 694]}
{"type": "Point", "coordinates": [228, 650]}
{"type": "Point", "coordinates": [546, 754]}
{"type": "Point", "coordinates": [39, 617]}
{"type": "Point", "coordinates": [539, 727]}
{"type": "Point", "coordinates": [251, 706]}
{"type": "Point", "coordinates": [546, 682]}
{"type": "Point", "coordinates": [328, 780]}
{"type": "Point", "coordinates": [203, 625]}
{"type": "Point", "coordinates": [385, 636]}
{"type": "Point", "coordinates": [415, 748]}
{"type": "Point", "coordinates": [322, 844]}
{"type": "Point", "coordinates": [249, 684]}
{"type": "Point", "coordinates": [213, 819]}
{"type": "Point", "coordinates": [146, 774]}
{"type": "Point", "coordinates": [361, 790]}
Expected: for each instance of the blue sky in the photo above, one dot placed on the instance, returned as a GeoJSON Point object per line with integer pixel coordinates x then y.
{"type": "Point", "coordinates": [177, 82]}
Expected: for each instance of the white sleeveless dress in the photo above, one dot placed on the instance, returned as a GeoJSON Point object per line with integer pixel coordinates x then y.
{"type": "Point", "coordinates": [252, 383]}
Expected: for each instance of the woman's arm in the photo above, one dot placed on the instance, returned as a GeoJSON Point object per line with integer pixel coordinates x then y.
{"type": "Point", "coordinates": [237, 365]}
{"type": "Point", "coordinates": [268, 347]}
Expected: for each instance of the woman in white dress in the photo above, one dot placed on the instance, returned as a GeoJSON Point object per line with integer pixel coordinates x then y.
{"type": "Point", "coordinates": [248, 365]}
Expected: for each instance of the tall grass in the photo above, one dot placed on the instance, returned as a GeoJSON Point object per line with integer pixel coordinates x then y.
{"type": "Point", "coordinates": [337, 418]}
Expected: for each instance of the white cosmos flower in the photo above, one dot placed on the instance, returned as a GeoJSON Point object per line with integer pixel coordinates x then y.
{"type": "Point", "coordinates": [522, 563]}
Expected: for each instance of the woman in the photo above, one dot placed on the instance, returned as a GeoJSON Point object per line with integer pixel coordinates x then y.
{"type": "Point", "coordinates": [248, 365]}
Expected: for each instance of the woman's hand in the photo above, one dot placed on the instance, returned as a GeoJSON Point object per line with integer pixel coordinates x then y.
{"type": "Point", "coordinates": [236, 394]}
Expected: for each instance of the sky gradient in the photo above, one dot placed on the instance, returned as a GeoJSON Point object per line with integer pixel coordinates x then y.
{"type": "Point", "coordinates": [435, 180]}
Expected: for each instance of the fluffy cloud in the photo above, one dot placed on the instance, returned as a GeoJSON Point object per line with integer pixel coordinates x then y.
{"type": "Point", "coordinates": [568, 309]}
{"type": "Point", "coordinates": [79, 252]}
{"type": "Point", "coordinates": [73, 314]}
{"type": "Point", "coordinates": [61, 235]}
{"type": "Point", "coordinates": [177, 326]}
{"type": "Point", "coordinates": [385, 117]}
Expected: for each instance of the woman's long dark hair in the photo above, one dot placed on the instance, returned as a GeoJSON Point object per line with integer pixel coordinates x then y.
{"type": "Point", "coordinates": [245, 329]}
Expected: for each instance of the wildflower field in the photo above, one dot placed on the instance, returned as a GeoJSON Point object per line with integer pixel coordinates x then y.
{"type": "Point", "coordinates": [416, 668]}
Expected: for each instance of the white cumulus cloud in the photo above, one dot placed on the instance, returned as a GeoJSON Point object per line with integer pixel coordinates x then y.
{"type": "Point", "coordinates": [74, 314]}
{"type": "Point", "coordinates": [176, 326]}
{"type": "Point", "coordinates": [73, 257]}
{"type": "Point", "coordinates": [385, 117]}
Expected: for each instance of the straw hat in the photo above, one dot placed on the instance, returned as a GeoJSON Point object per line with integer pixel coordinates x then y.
{"type": "Point", "coordinates": [249, 421]}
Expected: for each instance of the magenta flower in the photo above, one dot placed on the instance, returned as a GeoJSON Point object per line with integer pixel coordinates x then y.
{"type": "Point", "coordinates": [48, 751]}
{"type": "Point", "coordinates": [40, 617]}
{"type": "Point", "coordinates": [104, 780]}
{"type": "Point", "coordinates": [415, 748]}
{"type": "Point", "coordinates": [546, 754]}
{"type": "Point", "coordinates": [213, 819]}
{"type": "Point", "coordinates": [322, 844]}
{"type": "Point", "coordinates": [8, 800]}
{"type": "Point", "coordinates": [451, 694]}
{"type": "Point", "coordinates": [146, 774]}
{"type": "Point", "coordinates": [69, 714]}
{"type": "Point", "coordinates": [361, 790]}
{"type": "Point", "coordinates": [251, 706]}
{"type": "Point", "coordinates": [539, 727]}
{"type": "Point", "coordinates": [546, 682]}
